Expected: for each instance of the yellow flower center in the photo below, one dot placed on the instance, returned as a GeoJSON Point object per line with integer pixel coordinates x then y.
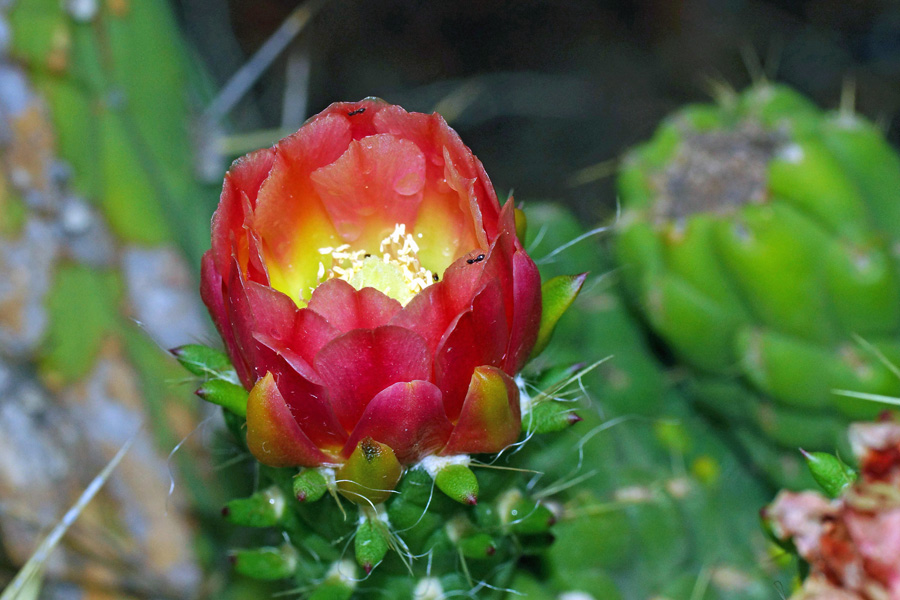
{"type": "Point", "coordinates": [395, 271]}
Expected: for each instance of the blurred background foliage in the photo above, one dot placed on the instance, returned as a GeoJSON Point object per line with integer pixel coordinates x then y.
{"type": "Point", "coordinates": [542, 90]}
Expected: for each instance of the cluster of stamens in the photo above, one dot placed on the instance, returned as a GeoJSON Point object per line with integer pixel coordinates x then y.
{"type": "Point", "coordinates": [397, 266]}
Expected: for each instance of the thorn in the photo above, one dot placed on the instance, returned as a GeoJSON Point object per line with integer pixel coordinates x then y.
{"type": "Point", "coordinates": [490, 550]}
{"type": "Point", "coordinates": [471, 499]}
{"type": "Point", "coordinates": [574, 418]}
{"type": "Point", "coordinates": [806, 454]}
{"type": "Point", "coordinates": [226, 511]}
{"type": "Point", "coordinates": [232, 558]}
{"type": "Point", "coordinates": [367, 567]}
{"type": "Point", "coordinates": [301, 496]}
{"type": "Point", "coordinates": [201, 393]}
{"type": "Point", "coordinates": [176, 352]}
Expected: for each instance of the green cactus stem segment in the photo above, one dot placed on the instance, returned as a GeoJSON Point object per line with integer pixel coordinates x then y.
{"type": "Point", "coordinates": [268, 563]}
{"type": "Point", "coordinates": [265, 508]}
{"type": "Point", "coordinates": [829, 471]}
{"type": "Point", "coordinates": [452, 476]}
{"type": "Point", "coordinates": [229, 396]}
{"type": "Point", "coordinates": [371, 543]}
{"type": "Point", "coordinates": [205, 361]}
{"type": "Point", "coordinates": [458, 482]}
{"type": "Point", "coordinates": [477, 546]}
{"type": "Point", "coordinates": [557, 296]}
{"type": "Point", "coordinates": [549, 416]}
{"type": "Point", "coordinates": [310, 485]}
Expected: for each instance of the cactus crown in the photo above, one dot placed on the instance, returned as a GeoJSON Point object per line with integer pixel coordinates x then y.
{"type": "Point", "coordinates": [716, 171]}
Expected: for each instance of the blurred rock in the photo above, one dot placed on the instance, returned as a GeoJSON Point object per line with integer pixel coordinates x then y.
{"type": "Point", "coordinates": [135, 539]}
{"type": "Point", "coordinates": [163, 297]}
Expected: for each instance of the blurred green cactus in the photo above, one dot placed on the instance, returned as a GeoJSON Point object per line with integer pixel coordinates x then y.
{"type": "Point", "coordinates": [115, 76]}
{"type": "Point", "coordinates": [758, 239]}
{"type": "Point", "coordinates": [650, 501]}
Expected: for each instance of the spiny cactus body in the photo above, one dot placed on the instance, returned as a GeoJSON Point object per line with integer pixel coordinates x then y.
{"type": "Point", "coordinates": [758, 238]}
{"type": "Point", "coordinates": [650, 501]}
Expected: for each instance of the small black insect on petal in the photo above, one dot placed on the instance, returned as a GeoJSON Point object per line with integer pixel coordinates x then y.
{"type": "Point", "coordinates": [479, 258]}
{"type": "Point", "coordinates": [358, 111]}
{"type": "Point", "coordinates": [367, 255]}
{"type": "Point", "coordinates": [435, 277]}
{"type": "Point", "coordinates": [470, 261]}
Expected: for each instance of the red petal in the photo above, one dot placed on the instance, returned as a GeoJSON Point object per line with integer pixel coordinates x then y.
{"type": "Point", "coordinates": [310, 405]}
{"type": "Point", "coordinates": [443, 147]}
{"type": "Point", "coordinates": [359, 115]}
{"type": "Point", "coordinates": [358, 365]}
{"type": "Point", "coordinates": [479, 337]}
{"type": "Point", "coordinates": [273, 312]}
{"type": "Point", "coordinates": [527, 317]}
{"type": "Point", "coordinates": [431, 312]}
{"type": "Point", "coordinates": [346, 308]}
{"type": "Point", "coordinates": [427, 314]}
{"type": "Point", "coordinates": [490, 419]}
{"type": "Point", "coordinates": [273, 435]}
{"type": "Point", "coordinates": [419, 128]}
{"type": "Point", "coordinates": [211, 292]}
{"type": "Point", "coordinates": [310, 333]}
{"type": "Point", "coordinates": [408, 417]}
{"type": "Point", "coordinates": [255, 311]}
{"type": "Point", "coordinates": [239, 192]}
{"type": "Point", "coordinates": [375, 184]}
{"type": "Point", "coordinates": [289, 216]}
{"type": "Point", "coordinates": [257, 270]}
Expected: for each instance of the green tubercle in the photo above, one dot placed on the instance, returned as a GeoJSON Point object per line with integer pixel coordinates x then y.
{"type": "Point", "coordinates": [458, 482]}
{"type": "Point", "coordinates": [263, 509]}
{"type": "Point", "coordinates": [268, 563]}
{"type": "Point", "coordinates": [229, 396]}
{"type": "Point", "coordinates": [309, 485]}
{"type": "Point", "coordinates": [829, 471]}
{"type": "Point", "coordinates": [204, 361]}
{"type": "Point", "coordinates": [371, 543]}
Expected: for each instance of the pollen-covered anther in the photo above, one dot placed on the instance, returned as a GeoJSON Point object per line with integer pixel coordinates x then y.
{"type": "Point", "coordinates": [396, 271]}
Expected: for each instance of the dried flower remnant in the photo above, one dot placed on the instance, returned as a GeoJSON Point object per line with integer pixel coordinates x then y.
{"type": "Point", "coordinates": [852, 543]}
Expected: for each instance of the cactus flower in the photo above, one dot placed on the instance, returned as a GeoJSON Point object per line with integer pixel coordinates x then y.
{"type": "Point", "coordinates": [372, 294]}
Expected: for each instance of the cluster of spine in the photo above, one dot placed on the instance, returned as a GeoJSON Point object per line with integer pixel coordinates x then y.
{"type": "Point", "coordinates": [758, 239]}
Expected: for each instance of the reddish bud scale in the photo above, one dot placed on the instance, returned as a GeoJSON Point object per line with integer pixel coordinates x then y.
{"type": "Point", "coordinates": [331, 362]}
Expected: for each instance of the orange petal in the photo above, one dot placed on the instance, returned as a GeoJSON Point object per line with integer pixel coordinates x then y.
{"type": "Point", "coordinates": [490, 419]}
{"type": "Point", "coordinates": [273, 435]}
